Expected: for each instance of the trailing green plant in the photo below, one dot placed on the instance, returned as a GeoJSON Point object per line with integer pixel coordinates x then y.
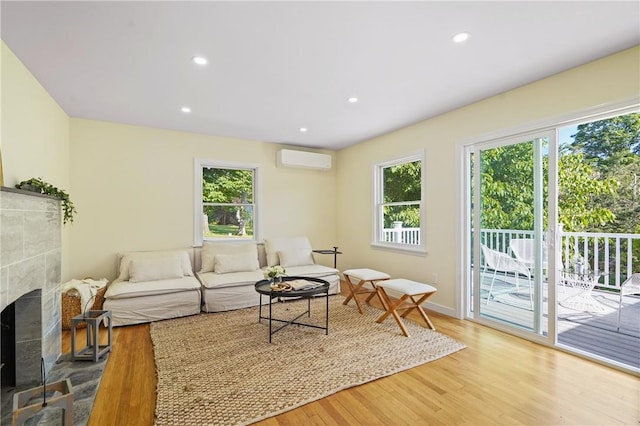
{"type": "Point", "coordinates": [42, 187]}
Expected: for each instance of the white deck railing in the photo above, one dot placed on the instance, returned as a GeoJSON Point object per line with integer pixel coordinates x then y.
{"type": "Point", "coordinates": [607, 254]}
{"type": "Point", "coordinates": [498, 239]}
{"type": "Point", "coordinates": [401, 235]}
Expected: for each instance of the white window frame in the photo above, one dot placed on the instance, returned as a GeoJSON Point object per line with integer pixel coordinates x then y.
{"type": "Point", "coordinates": [378, 200]}
{"type": "Point", "coordinates": [198, 165]}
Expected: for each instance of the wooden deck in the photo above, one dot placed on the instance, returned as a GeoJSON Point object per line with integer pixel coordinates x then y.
{"type": "Point", "coordinates": [592, 332]}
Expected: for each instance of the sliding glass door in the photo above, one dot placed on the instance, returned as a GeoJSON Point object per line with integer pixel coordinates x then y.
{"type": "Point", "coordinates": [551, 235]}
{"type": "Point", "coordinates": [509, 217]}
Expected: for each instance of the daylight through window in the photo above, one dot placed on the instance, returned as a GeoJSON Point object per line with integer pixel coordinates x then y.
{"type": "Point", "coordinates": [228, 203]}
{"type": "Point", "coordinates": [399, 203]}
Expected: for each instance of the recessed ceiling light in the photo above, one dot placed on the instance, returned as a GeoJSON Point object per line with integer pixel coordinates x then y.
{"type": "Point", "coordinates": [200, 60]}
{"type": "Point", "coordinates": [303, 129]}
{"type": "Point", "coordinates": [460, 37]}
{"type": "Point", "coordinates": [353, 99]}
{"type": "Point", "coordinates": [185, 109]}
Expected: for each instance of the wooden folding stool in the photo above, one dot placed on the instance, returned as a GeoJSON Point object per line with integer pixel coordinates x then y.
{"type": "Point", "coordinates": [415, 291]}
{"type": "Point", "coordinates": [364, 277]}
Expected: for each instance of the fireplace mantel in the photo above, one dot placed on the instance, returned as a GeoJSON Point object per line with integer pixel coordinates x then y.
{"type": "Point", "coordinates": [28, 193]}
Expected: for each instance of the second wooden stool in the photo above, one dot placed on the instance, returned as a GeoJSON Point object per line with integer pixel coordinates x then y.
{"type": "Point", "coordinates": [409, 290]}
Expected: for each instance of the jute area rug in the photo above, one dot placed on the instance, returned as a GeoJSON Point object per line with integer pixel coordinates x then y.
{"type": "Point", "coordinates": [219, 369]}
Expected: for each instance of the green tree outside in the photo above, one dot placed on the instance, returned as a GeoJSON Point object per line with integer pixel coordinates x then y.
{"type": "Point", "coordinates": [402, 183]}
{"type": "Point", "coordinates": [227, 197]}
{"type": "Point", "coordinates": [613, 147]}
{"type": "Point", "coordinates": [507, 190]}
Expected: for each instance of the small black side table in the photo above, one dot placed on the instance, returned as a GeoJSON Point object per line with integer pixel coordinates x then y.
{"type": "Point", "coordinates": [263, 287]}
{"type": "Point", "coordinates": [94, 350]}
{"type": "Point", "coordinates": [334, 252]}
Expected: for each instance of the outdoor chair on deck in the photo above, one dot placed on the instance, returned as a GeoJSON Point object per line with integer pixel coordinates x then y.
{"type": "Point", "coordinates": [630, 286]}
{"type": "Point", "coordinates": [502, 262]}
{"type": "Point", "coordinates": [524, 250]}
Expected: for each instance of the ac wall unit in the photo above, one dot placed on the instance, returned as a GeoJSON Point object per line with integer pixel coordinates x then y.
{"type": "Point", "coordinates": [303, 159]}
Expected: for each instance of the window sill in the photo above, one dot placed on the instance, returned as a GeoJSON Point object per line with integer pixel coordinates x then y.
{"type": "Point", "coordinates": [399, 248]}
{"type": "Point", "coordinates": [235, 240]}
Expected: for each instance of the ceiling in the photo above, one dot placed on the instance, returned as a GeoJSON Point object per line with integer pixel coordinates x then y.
{"type": "Point", "coordinates": [275, 67]}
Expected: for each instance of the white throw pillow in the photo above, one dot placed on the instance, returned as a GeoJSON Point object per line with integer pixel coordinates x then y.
{"type": "Point", "coordinates": [154, 269]}
{"type": "Point", "coordinates": [273, 245]}
{"type": "Point", "coordinates": [241, 262]}
{"type": "Point", "coordinates": [208, 262]}
{"type": "Point", "coordinates": [182, 255]}
{"type": "Point", "coordinates": [296, 257]}
{"type": "Point", "coordinates": [210, 250]}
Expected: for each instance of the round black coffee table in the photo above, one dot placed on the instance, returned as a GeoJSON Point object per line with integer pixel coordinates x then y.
{"type": "Point", "coordinates": [263, 287]}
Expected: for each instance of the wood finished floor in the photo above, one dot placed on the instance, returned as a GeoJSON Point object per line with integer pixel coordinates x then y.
{"type": "Point", "coordinates": [497, 379]}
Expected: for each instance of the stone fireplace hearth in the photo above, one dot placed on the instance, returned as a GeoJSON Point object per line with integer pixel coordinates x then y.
{"type": "Point", "coordinates": [30, 276]}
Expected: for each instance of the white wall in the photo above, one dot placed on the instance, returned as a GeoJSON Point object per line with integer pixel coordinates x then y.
{"type": "Point", "coordinates": [34, 135]}
{"type": "Point", "coordinates": [609, 79]}
{"type": "Point", "coordinates": [133, 188]}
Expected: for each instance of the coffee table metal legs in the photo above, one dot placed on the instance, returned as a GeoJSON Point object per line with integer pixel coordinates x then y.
{"type": "Point", "coordinates": [294, 320]}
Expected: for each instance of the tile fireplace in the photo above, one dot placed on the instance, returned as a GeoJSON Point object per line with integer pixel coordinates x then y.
{"type": "Point", "coordinates": [30, 281]}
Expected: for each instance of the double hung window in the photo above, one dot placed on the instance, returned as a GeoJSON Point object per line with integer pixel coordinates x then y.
{"type": "Point", "coordinates": [226, 202]}
{"type": "Point", "coordinates": [399, 212]}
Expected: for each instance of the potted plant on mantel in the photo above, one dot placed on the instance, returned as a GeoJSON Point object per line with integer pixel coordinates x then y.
{"type": "Point", "coordinates": [42, 187]}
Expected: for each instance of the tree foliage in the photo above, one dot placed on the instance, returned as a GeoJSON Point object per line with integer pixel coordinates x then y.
{"type": "Point", "coordinates": [228, 186]}
{"type": "Point", "coordinates": [611, 142]}
{"type": "Point", "coordinates": [402, 183]}
{"type": "Point", "coordinates": [580, 185]}
{"type": "Point", "coordinates": [507, 187]}
{"type": "Point", "coordinates": [613, 147]}
{"type": "Point", "coordinates": [507, 175]}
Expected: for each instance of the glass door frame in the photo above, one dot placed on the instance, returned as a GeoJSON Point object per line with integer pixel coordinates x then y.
{"type": "Point", "coordinates": [471, 280]}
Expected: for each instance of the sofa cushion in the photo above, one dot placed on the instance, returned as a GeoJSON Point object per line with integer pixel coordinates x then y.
{"type": "Point", "coordinates": [119, 289]}
{"type": "Point", "coordinates": [210, 250]}
{"type": "Point", "coordinates": [285, 244]}
{"type": "Point", "coordinates": [316, 271]}
{"type": "Point", "coordinates": [153, 269]}
{"type": "Point", "coordinates": [299, 257]}
{"type": "Point", "coordinates": [235, 279]}
{"type": "Point", "coordinates": [126, 259]}
{"type": "Point", "coordinates": [240, 262]}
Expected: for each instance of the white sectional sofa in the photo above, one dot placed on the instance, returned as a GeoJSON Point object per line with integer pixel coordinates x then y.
{"type": "Point", "coordinates": [153, 286]}
{"type": "Point", "coordinates": [228, 271]}
{"type": "Point", "coordinates": [157, 285]}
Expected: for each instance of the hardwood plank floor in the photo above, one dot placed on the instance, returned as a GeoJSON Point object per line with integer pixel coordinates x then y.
{"type": "Point", "coordinates": [497, 379]}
